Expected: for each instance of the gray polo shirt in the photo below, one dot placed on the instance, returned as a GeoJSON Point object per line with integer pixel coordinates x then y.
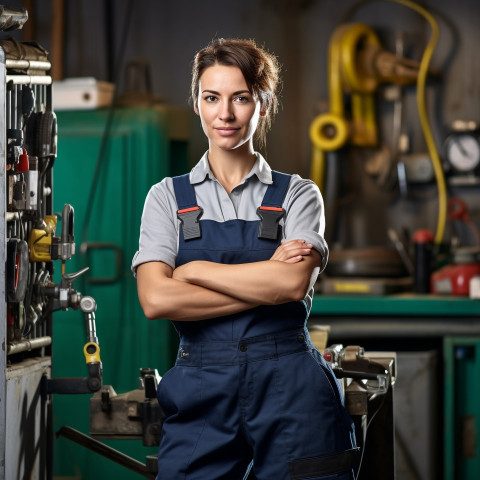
{"type": "Point", "coordinates": [303, 205]}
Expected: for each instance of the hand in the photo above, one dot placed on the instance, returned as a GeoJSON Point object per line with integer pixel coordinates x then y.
{"type": "Point", "coordinates": [292, 251]}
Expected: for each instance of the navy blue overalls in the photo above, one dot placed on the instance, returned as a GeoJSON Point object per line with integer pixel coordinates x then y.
{"type": "Point", "coordinates": [248, 386]}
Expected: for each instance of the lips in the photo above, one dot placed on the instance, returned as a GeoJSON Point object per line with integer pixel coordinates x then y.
{"type": "Point", "coordinates": [226, 131]}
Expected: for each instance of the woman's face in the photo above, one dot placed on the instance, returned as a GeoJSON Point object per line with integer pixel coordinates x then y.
{"type": "Point", "coordinates": [228, 111]}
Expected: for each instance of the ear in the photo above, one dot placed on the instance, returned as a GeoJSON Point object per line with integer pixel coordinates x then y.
{"type": "Point", "coordinates": [195, 109]}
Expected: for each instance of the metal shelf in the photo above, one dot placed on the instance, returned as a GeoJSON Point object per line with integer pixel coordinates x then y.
{"type": "Point", "coordinates": [395, 305]}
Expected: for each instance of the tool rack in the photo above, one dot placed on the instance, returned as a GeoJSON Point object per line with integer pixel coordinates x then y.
{"type": "Point", "coordinates": [27, 154]}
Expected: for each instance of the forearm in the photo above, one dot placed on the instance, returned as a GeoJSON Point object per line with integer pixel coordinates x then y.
{"type": "Point", "coordinates": [269, 282]}
{"type": "Point", "coordinates": [162, 296]}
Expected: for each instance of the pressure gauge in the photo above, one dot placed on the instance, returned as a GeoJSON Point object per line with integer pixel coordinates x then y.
{"type": "Point", "coordinates": [462, 151]}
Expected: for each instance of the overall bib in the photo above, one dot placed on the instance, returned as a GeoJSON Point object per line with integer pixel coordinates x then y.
{"type": "Point", "coordinates": [249, 386]}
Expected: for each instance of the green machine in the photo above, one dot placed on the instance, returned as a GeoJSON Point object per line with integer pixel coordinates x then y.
{"type": "Point", "coordinates": [106, 178]}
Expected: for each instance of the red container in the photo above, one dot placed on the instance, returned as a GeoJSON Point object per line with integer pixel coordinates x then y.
{"type": "Point", "coordinates": [454, 279]}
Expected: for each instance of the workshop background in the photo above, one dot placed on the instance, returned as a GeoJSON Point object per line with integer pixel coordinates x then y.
{"type": "Point", "coordinates": [403, 274]}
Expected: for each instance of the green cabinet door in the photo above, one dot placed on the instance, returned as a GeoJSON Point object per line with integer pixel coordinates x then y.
{"type": "Point", "coordinates": [107, 196]}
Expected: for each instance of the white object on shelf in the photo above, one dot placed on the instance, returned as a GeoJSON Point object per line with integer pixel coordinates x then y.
{"type": "Point", "coordinates": [475, 287]}
{"type": "Point", "coordinates": [82, 93]}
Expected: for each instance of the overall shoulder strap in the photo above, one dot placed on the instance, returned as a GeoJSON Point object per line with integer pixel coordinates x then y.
{"type": "Point", "coordinates": [184, 192]}
{"type": "Point", "coordinates": [277, 190]}
{"type": "Point", "coordinates": [271, 211]}
{"type": "Point", "coordinates": [188, 211]}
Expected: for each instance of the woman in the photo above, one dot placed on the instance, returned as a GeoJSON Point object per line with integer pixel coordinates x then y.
{"type": "Point", "coordinates": [230, 253]}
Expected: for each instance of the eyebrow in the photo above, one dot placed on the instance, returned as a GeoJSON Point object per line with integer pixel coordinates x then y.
{"type": "Point", "coordinates": [234, 93]}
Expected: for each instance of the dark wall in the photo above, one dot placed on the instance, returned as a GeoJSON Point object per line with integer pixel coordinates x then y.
{"type": "Point", "coordinates": [101, 36]}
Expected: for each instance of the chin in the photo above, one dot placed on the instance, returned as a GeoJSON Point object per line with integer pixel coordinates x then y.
{"type": "Point", "coordinates": [229, 146]}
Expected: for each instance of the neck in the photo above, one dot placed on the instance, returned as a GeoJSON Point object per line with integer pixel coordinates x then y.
{"type": "Point", "coordinates": [230, 167]}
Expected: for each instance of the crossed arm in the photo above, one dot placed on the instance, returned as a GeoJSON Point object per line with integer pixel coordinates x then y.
{"type": "Point", "coordinates": [200, 290]}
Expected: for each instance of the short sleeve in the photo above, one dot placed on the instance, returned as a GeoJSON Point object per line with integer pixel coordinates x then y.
{"type": "Point", "coordinates": [305, 217]}
{"type": "Point", "coordinates": [158, 229]}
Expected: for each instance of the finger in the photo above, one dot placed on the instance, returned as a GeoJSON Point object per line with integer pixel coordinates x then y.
{"type": "Point", "coordinates": [297, 251]}
{"type": "Point", "coordinates": [296, 259]}
{"type": "Point", "coordinates": [291, 249]}
{"type": "Point", "coordinates": [292, 254]}
{"type": "Point", "coordinates": [295, 244]}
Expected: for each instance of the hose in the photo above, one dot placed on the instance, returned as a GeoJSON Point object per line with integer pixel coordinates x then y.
{"type": "Point", "coordinates": [421, 105]}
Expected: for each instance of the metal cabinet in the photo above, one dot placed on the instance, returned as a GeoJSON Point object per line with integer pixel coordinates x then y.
{"type": "Point", "coordinates": [26, 158]}
{"type": "Point", "coordinates": [462, 407]}
{"type": "Point", "coordinates": [106, 179]}
{"type": "Point", "coordinates": [438, 351]}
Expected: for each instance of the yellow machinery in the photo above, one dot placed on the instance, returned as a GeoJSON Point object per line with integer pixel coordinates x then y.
{"type": "Point", "coordinates": [357, 64]}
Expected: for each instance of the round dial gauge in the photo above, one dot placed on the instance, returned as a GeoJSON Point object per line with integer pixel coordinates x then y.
{"type": "Point", "coordinates": [462, 151]}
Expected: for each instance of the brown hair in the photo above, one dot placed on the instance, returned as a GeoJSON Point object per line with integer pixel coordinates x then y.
{"type": "Point", "coordinates": [260, 69]}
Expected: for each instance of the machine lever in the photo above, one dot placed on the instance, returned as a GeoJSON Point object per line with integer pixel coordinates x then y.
{"type": "Point", "coordinates": [70, 277]}
{"type": "Point", "coordinates": [105, 451]}
{"type": "Point", "coordinates": [88, 307]}
{"type": "Point", "coordinates": [91, 349]}
{"type": "Point", "coordinates": [67, 224]}
{"type": "Point", "coordinates": [67, 386]}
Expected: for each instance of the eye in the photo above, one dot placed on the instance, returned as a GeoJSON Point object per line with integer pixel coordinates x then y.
{"type": "Point", "coordinates": [210, 98]}
{"type": "Point", "coordinates": [242, 99]}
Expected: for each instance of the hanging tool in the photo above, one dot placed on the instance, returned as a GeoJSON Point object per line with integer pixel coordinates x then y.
{"type": "Point", "coordinates": [458, 210]}
{"type": "Point", "coordinates": [12, 19]}
{"type": "Point", "coordinates": [45, 246]}
{"type": "Point", "coordinates": [16, 269]}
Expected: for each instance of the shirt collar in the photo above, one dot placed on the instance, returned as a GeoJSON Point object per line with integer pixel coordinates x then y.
{"type": "Point", "coordinates": [260, 168]}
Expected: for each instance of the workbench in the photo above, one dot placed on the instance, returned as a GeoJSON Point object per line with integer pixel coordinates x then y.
{"type": "Point", "coordinates": [394, 316]}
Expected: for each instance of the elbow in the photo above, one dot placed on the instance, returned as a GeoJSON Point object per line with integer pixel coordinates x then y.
{"type": "Point", "coordinates": [292, 293]}
{"type": "Point", "coordinates": [302, 284]}
{"type": "Point", "coordinates": [150, 312]}
{"type": "Point", "coordinates": [297, 291]}
{"type": "Point", "coordinates": [153, 309]}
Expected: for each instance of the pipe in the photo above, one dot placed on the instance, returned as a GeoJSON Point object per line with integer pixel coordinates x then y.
{"type": "Point", "coordinates": [29, 79]}
{"type": "Point", "coordinates": [105, 451]}
{"type": "Point", "coordinates": [27, 345]}
{"type": "Point", "coordinates": [33, 64]}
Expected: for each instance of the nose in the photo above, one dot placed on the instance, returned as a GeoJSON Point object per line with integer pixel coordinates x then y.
{"type": "Point", "coordinates": [226, 112]}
